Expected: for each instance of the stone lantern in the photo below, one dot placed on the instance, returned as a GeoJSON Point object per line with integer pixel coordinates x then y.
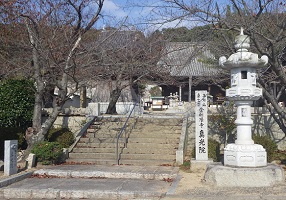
{"type": "Point", "coordinates": [243, 65]}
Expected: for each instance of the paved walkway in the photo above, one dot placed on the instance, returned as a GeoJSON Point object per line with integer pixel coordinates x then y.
{"type": "Point", "coordinates": [128, 182]}
{"type": "Point", "coordinates": [93, 182]}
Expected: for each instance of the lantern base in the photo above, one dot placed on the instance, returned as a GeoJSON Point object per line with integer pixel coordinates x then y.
{"type": "Point", "coordinates": [223, 176]}
{"type": "Point", "coordinates": [245, 155]}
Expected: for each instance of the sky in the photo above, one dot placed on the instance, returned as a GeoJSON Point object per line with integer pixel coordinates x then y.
{"type": "Point", "coordinates": [121, 10]}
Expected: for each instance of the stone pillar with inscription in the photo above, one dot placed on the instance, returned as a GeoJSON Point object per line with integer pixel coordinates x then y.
{"type": "Point", "coordinates": [201, 117]}
{"type": "Point", "coordinates": [243, 65]}
{"type": "Point", "coordinates": [201, 144]}
{"type": "Point", "coordinates": [10, 157]}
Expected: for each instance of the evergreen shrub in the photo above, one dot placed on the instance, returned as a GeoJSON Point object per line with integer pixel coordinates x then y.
{"type": "Point", "coordinates": [17, 102]}
{"type": "Point", "coordinates": [269, 145]}
{"type": "Point", "coordinates": [214, 150]}
{"type": "Point", "coordinates": [48, 152]}
{"type": "Point", "coordinates": [61, 135]}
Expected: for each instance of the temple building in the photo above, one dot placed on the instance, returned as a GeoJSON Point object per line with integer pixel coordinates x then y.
{"type": "Point", "coordinates": [190, 62]}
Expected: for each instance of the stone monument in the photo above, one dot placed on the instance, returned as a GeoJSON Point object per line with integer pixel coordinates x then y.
{"type": "Point", "coordinates": [10, 157]}
{"type": "Point", "coordinates": [245, 163]}
{"type": "Point", "coordinates": [201, 144]}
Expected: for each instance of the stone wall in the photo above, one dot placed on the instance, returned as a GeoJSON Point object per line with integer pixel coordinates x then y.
{"type": "Point", "coordinates": [73, 122]}
{"type": "Point", "coordinates": [263, 124]}
{"type": "Point", "coordinates": [76, 118]}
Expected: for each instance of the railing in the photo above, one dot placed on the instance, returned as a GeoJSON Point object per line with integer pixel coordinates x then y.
{"type": "Point", "coordinates": [82, 131]}
{"type": "Point", "coordinates": [123, 130]}
{"type": "Point", "coordinates": [180, 153]}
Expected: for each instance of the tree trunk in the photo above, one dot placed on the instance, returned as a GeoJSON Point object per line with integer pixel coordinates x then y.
{"type": "Point", "coordinates": [114, 96]}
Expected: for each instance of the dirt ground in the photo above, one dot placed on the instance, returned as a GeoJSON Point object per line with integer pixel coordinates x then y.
{"type": "Point", "coordinates": [192, 186]}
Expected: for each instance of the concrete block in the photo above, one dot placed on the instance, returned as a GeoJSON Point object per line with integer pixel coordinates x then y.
{"type": "Point", "coordinates": [224, 176]}
{"type": "Point", "coordinates": [31, 161]}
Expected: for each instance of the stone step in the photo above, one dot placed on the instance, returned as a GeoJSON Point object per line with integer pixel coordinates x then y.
{"type": "Point", "coordinates": [98, 145]}
{"type": "Point", "coordinates": [103, 130]}
{"type": "Point", "coordinates": [108, 162]}
{"type": "Point", "coordinates": [157, 127]}
{"type": "Point", "coordinates": [118, 171]}
{"type": "Point", "coordinates": [92, 155]}
{"type": "Point", "coordinates": [162, 129]}
{"type": "Point", "coordinates": [101, 135]}
{"type": "Point", "coordinates": [153, 140]}
{"type": "Point", "coordinates": [154, 135]}
{"type": "Point", "coordinates": [154, 150]}
{"type": "Point", "coordinates": [151, 146]}
{"type": "Point", "coordinates": [97, 140]}
{"type": "Point", "coordinates": [93, 150]}
{"type": "Point", "coordinates": [170, 121]}
{"type": "Point", "coordinates": [149, 162]}
{"type": "Point", "coordinates": [148, 156]}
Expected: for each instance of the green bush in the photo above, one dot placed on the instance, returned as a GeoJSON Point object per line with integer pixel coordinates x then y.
{"type": "Point", "coordinates": [17, 103]}
{"type": "Point", "coordinates": [214, 150]}
{"type": "Point", "coordinates": [47, 152]}
{"type": "Point", "coordinates": [61, 135]}
{"type": "Point", "coordinates": [269, 145]}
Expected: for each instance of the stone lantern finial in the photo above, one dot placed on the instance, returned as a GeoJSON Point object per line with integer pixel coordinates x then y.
{"type": "Point", "coordinates": [242, 42]}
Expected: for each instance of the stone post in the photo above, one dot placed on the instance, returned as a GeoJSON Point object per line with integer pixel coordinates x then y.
{"type": "Point", "coordinates": [190, 88]}
{"type": "Point", "coordinates": [10, 157]}
{"type": "Point", "coordinates": [180, 93]}
{"type": "Point", "coordinates": [83, 99]}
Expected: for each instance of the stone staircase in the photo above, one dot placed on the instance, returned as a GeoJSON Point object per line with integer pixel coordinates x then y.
{"type": "Point", "coordinates": [153, 141]}
{"type": "Point", "coordinates": [98, 144]}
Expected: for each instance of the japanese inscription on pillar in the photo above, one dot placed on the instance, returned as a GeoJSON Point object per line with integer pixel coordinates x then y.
{"type": "Point", "coordinates": [201, 125]}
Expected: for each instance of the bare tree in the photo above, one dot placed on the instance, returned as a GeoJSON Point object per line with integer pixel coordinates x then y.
{"type": "Point", "coordinates": [54, 30]}
{"type": "Point", "coordinates": [263, 20]}
{"type": "Point", "coordinates": [125, 58]}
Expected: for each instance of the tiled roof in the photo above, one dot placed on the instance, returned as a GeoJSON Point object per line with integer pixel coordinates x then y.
{"type": "Point", "coordinates": [117, 39]}
{"type": "Point", "coordinates": [189, 59]}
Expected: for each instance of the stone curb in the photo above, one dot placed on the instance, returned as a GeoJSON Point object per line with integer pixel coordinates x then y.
{"type": "Point", "coordinates": [106, 174]}
{"type": "Point", "coordinates": [9, 180]}
{"type": "Point", "coordinates": [78, 194]}
{"type": "Point", "coordinates": [61, 188]}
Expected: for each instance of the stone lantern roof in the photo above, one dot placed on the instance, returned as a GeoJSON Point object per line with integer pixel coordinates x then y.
{"type": "Point", "coordinates": [242, 58]}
